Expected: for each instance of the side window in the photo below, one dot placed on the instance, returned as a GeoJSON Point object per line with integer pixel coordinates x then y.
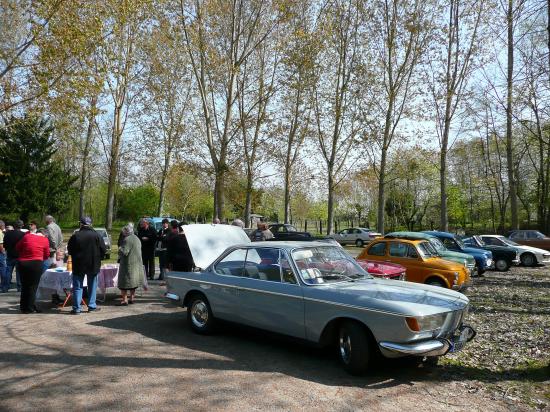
{"type": "Point", "coordinates": [532, 235]}
{"type": "Point", "coordinates": [378, 249]}
{"type": "Point", "coordinates": [263, 264]}
{"type": "Point", "coordinates": [517, 235]}
{"type": "Point", "coordinates": [412, 253]}
{"type": "Point", "coordinates": [232, 264]}
{"type": "Point", "coordinates": [274, 229]}
{"type": "Point", "coordinates": [449, 243]}
{"type": "Point", "coordinates": [357, 231]}
{"type": "Point", "coordinates": [286, 270]}
{"type": "Point", "coordinates": [490, 240]}
{"type": "Point", "coordinates": [398, 249]}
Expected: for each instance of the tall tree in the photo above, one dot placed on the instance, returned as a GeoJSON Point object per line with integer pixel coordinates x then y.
{"type": "Point", "coordinates": [450, 75]}
{"type": "Point", "coordinates": [401, 29]}
{"type": "Point", "coordinates": [336, 95]}
{"type": "Point", "coordinates": [220, 36]}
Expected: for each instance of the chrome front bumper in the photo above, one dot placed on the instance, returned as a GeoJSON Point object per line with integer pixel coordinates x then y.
{"type": "Point", "coordinates": [462, 286]}
{"type": "Point", "coordinates": [434, 347]}
{"type": "Point", "coordinates": [173, 297]}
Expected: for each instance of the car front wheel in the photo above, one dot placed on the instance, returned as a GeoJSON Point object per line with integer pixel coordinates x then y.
{"type": "Point", "coordinates": [359, 243]}
{"type": "Point", "coordinates": [199, 315]}
{"type": "Point", "coordinates": [354, 348]}
{"type": "Point", "coordinates": [502, 265]}
{"type": "Point", "coordinates": [528, 259]}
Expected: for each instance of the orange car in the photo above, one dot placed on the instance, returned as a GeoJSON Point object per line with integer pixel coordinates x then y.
{"type": "Point", "coordinates": [421, 260]}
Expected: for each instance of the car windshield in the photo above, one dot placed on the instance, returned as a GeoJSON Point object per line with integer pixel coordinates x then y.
{"type": "Point", "coordinates": [460, 242]}
{"type": "Point", "coordinates": [508, 241]}
{"type": "Point", "coordinates": [427, 250]}
{"type": "Point", "coordinates": [478, 240]}
{"type": "Point", "coordinates": [319, 265]}
{"type": "Point", "coordinates": [437, 245]}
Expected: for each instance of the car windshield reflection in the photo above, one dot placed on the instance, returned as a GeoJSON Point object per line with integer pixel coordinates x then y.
{"type": "Point", "coordinates": [320, 265]}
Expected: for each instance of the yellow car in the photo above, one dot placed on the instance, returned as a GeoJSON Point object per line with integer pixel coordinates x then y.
{"type": "Point", "coordinates": [421, 260]}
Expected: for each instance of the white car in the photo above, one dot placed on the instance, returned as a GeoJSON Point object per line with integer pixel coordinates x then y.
{"type": "Point", "coordinates": [356, 235]}
{"type": "Point", "coordinates": [528, 255]}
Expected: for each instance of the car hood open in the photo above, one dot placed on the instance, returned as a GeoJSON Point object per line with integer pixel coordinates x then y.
{"type": "Point", "coordinates": [207, 242]}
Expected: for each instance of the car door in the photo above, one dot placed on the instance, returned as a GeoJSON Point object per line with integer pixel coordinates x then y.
{"type": "Point", "coordinates": [406, 255]}
{"type": "Point", "coordinates": [343, 237]}
{"type": "Point", "coordinates": [223, 291]}
{"type": "Point", "coordinates": [270, 296]}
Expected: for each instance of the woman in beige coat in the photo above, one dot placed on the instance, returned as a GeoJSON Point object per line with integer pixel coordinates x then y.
{"type": "Point", "coordinates": [130, 273]}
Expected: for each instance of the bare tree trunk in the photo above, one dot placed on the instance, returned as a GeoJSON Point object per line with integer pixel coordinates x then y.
{"type": "Point", "coordinates": [330, 215]}
{"type": "Point", "coordinates": [509, 144]}
{"type": "Point", "coordinates": [162, 189]}
{"type": "Point", "coordinates": [113, 167]}
{"type": "Point", "coordinates": [86, 154]}
{"type": "Point", "coordinates": [287, 188]}
{"type": "Point", "coordinates": [381, 193]}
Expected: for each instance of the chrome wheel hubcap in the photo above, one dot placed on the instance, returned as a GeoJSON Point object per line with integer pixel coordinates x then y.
{"type": "Point", "coordinates": [501, 264]}
{"type": "Point", "coordinates": [199, 314]}
{"type": "Point", "coordinates": [345, 347]}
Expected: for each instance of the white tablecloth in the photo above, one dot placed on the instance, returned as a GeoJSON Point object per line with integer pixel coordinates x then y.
{"type": "Point", "coordinates": [55, 281]}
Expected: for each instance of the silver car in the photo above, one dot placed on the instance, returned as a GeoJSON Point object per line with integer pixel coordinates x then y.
{"type": "Point", "coordinates": [357, 236]}
{"type": "Point", "coordinates": [316, 292]}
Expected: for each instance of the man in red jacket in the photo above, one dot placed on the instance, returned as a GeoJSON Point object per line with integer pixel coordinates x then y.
{"type": "Point", "coordinates": [87, 248]}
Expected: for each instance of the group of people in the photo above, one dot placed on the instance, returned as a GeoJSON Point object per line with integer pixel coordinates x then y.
{"type": "Point", "coordinates": [28, 252]}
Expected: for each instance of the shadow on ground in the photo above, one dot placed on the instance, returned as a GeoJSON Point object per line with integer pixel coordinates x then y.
{"type": "Point", "coordinates": [244, 349]}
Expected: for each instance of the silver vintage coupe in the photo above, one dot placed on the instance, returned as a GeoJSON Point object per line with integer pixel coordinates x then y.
{"type": "Point", "coordinates": [315, 292]}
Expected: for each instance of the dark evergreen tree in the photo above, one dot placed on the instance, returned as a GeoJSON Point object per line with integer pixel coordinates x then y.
{"type": "Point", "coordinates": [32, 180]}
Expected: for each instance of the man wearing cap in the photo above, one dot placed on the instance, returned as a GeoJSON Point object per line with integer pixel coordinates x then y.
{"type": "Point", "coordinates": [162, 238]}
{"type": "Point", "coordinates": [86, 248]}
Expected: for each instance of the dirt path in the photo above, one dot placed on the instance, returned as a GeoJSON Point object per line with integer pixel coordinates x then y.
{"type": "Point", "coordinates": [143, 357]}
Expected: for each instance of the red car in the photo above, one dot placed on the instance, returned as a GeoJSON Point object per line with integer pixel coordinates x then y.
{"type": "Point", "coordinates": [384, 270]}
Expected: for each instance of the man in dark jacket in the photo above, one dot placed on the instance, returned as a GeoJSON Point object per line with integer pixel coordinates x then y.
{"type": "Point", "coordinates": [11, 238]}
{"type": "Point", "coordinates": [148, 237]}
{"type": "Point", "coordinates": [162, 238]}
{"type": "Point", "coordinates": [86, 248]}
{"type": "Point", "coordinates": [179, 255]}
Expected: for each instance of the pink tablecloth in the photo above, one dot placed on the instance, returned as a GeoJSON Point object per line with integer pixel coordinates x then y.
{"type": "Point", "coordinates": [108, 278]}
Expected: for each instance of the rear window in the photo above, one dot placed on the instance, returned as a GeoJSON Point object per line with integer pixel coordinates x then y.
{"type": "Point", "coordinates": [378, 249]}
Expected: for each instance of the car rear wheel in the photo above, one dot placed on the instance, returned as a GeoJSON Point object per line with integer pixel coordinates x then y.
{"type": "Point", "coordinates": [436, 282]}
{"type": "Point", "coordinates": [354, 347]}
{"type": "Point", "coordinates": [359, 243]}
{"type": "Point", "coordinates": [502, 265]}
{"type": "Point", "coordinates": [528, 259]}
{"type": "Point", "coordinates": [199, 315]}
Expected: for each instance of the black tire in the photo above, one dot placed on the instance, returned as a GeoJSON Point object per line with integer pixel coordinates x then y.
{"type": "Point", "coordinates": [502, 265]}
{"type": "Point", "coordinates": [199, 315]}
{"type": "Point", "coordinates": [359, 243]}
{"type": "Point", "coordinates": [436, 282]}
{"type": "Point", "coordinates": [528, 259]}
{"type": "Point", "coordinates": [478, 272]}
{"type": "Point", "coordinates": [354, 347]}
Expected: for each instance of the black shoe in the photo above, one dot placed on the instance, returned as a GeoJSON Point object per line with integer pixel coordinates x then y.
{"type": "Point", "coordinates": [26, 312]}
{"type": "Point", "coordinates": [96, 309]}
{"type": "Point", "coordinates": [122, 304]}
{"type": "Point", "coordinates": [37, 310]}
{"type": "Point", "coordinates": [75, 312]}
{"type": "Point", "coordinates": [131, 302]}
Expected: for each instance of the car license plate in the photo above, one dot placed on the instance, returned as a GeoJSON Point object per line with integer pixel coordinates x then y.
{"type": "Point", "coordinates": [466, 334]}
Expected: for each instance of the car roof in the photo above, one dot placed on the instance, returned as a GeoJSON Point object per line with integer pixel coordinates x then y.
{"type": "Point", "coordinates": [409, 235]}
{"type": "Point", "coordinates": [438, 234]}
{"type": "Point", "coordinates": [388, 239]}
{"type": "Point", "coordinates": [286, 244]}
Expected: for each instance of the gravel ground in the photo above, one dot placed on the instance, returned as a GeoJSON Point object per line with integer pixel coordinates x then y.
{"type": "Point", "coordinates": [143, 357]}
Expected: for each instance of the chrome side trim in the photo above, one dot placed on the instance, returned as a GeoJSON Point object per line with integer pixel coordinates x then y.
{"type": "Point", "coordinates": [354, 307]}
{"type": "Point", "coordinates": [297, 297]}
{"type": "Point", "coordinates": [249, 289]}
